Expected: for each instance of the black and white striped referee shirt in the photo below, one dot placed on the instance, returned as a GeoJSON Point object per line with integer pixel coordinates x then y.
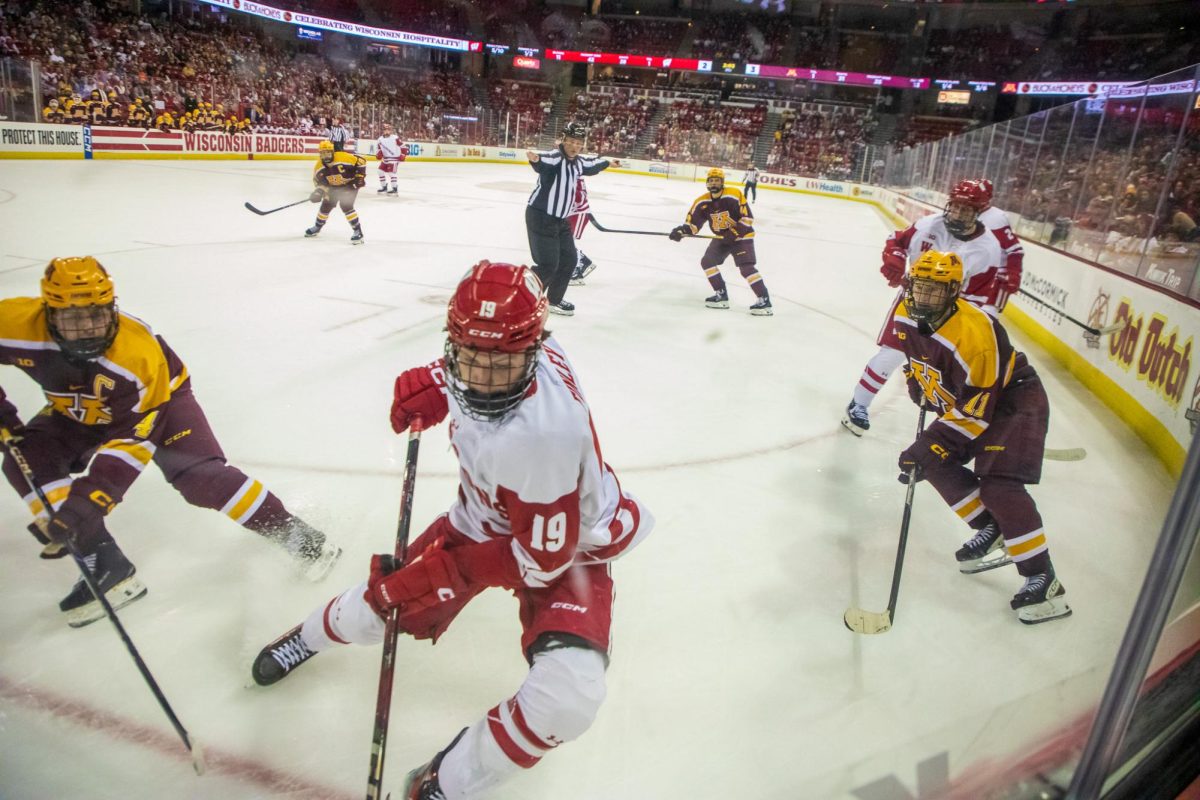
{"type": "Point", "coordinates": [557, 178]}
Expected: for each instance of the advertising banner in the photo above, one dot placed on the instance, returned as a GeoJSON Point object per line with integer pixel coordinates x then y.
{"type": "Point", "coordinates": [31, 140]}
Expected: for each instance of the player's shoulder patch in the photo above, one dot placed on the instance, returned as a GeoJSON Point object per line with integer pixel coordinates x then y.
{"type": "Point", "coordinates": [22, 319]}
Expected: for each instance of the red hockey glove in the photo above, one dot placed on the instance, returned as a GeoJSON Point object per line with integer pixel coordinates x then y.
{"type": "Point", "coordinates": [895, 261]}
{"type": "Point", "coordinates": [379, 155]}
{"type": "Point", "coordinates": [1010, 280]}
{"type": "Point", "coordinates": [922, 455]}
{"type": "Point", "coordinates": [431, 580]}
{"type": "Point", "coordinates": [417, 401]}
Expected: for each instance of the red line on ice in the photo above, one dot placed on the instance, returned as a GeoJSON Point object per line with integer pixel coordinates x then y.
{"type": "Point", "coordinates": [166, 743]}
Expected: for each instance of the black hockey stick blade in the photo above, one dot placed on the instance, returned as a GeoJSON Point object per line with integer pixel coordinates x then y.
{"type": "Point", "coordinates": [867, 622]}
{"type": "Point", "coordinates": [1065, 454]}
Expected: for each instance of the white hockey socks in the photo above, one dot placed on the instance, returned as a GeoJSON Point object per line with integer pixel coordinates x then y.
{"type": "Point", "coordinates": [875, 375]}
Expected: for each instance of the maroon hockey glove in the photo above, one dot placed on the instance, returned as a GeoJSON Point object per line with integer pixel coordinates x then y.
{"type": "Point", "coordinates": [10, 420]}
{"type": "Point", "coordinates": [79, 520]}
{"type": "Point", "coordinates": [431, 580]}
{"type": "Point", "coordinates": [895, 261]}
{"type": "Point", "coordinates": [317, 196]}
{"type": "Point", "coordinates": [679, 231]}
{"type": "Point", "coordinates": [417, 401]}
{"type": "Point", "coordinates": [924, 454]}
{"type": "Point", "coordinates": [916, 393]}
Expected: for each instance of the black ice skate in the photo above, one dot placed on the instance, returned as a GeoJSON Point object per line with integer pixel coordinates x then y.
{"type": "Point", "coordinates": [563, 308]}
{"type": "Point", "coordinates": [114, 575]}
{"type": "Point", "coordinates": [394, 192]}
{"type": "Point", "coordinates": [280, 657]}
{"type": "Point", "coordinates": [422, 783]}
{"type": "Point", "coordinates": [856, 419]}
{"type": "Point", "coordinates": [357, 238]}
{"type": "Point", "coordinates": [1041, 599]}
{"type": "Point", "coordinates": [382, 190]}
{"type": "Point", "coordinates": [584, 268]}
{"type": "Point", "coordinates": [983, 551]}
{"type": "Point", "coordinates": [718, 300]}
{"type": "Point", "coordinates": [313, 231]}
{"type": "Point", "coordinates": [762, 308]}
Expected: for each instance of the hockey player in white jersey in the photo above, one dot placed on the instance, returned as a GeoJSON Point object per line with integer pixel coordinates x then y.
{"type": "Point", "coordinates": [538, 513]}
{"type": "Point", "coordinates": [390, 151]}
{"type": "Point", "coordinates": [991, 272]}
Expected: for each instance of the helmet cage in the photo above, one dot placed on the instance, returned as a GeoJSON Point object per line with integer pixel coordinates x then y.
{"type": "Point", "coordinates": [960, 217]}
{"type": "Point", "coordinates": [488, 384]}
{"type": "Point", "coordinates": [929, 300]}
{"type": "Point", "coordinates": [83, 333]}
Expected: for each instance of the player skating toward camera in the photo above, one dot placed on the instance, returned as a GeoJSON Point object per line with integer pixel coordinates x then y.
{"type": "Point", "coordinates": [390, 152]}
{"type": "Point", "coordinates": [117, 398]}
{"type": "Point", "coordinates": [727, 214]}
{"type": "Point", "coordinates": [337, 177]}
{"type": "Point", "coordinates": [992, 270]}
{"type": "Point", "coordinates": [538, 512]}
{"type": "Point", "coordinates": [992, 408]}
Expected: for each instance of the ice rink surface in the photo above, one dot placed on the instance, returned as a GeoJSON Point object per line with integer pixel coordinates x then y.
{"type": "Point", "coordinates": [732, 674]}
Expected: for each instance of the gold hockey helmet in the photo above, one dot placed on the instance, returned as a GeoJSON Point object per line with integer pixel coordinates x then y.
{"type": "Point", "coordinates": [714, 181]}
{"type": "Point", "coordinates": [932, 286]}
{"type": "Point", "coordinates": [325, 151]}
{"type": "Point", "coordinates": [81, 311]}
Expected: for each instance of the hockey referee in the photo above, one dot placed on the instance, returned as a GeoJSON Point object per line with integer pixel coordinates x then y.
{"type": "Point", "coordinates": [551, 241]}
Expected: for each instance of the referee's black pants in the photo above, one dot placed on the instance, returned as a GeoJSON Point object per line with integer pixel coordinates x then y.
{"type": "Point", "coordinates": [552, 245]}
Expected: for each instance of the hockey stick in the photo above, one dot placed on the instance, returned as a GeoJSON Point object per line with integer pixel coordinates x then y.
{"type": "Point", "coordinates": [1105, 331]}
{"type": "Point", "coordinates": [603, 229]}
{"type": "Point", "coordinates": [262, 213]}
{"type": "Point", "coordinates": [387, 668]}
{"type": "Point", "coordinates": [192, 745]}
{"type": "Point", "coordinates": [867, 622]}
{"type": "Point", "coordinates": [1067, 454]}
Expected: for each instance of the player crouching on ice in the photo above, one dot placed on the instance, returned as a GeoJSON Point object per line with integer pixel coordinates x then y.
{"type": "Point", "coordinates": [992, 408]}
{"type": "Point", "coordinates": [729, 217]}
{"type": "Point", "coordinates": [538, 513]}
{"type": "Point", "coordinates": [337, 177]}
{"type": "Point", "coordinates": [117, 398]}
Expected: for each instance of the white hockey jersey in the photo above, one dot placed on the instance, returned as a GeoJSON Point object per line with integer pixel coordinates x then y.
{"type": "Point", "coordinates": [390, 147]}
{"type": "Point", "coordinates": [537, 478]}
{"type": "Point", "coordinates": [982, 256]}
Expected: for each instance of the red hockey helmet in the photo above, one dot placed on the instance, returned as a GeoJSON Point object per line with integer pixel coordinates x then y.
{"type": "Point", "coordinates": [496, 322]}
{"type": "Point", "coordinates": [497, 307]}
{"type": "Point", "coordinates": [973, 193]}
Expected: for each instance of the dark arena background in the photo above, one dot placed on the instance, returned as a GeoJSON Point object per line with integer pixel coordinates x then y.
{"type": "Point", "coordinates": [175, 141]}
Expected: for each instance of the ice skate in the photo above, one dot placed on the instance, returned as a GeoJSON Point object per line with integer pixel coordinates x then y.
{"type": "Point", "coordinates": [422, 783]}
{"type": "Point", "coordinates": [280, 657]}
{"type": "Point", "coordinates": [563, 308]}
{"type": "Point", "coordinates": [393, 192]}
{"type": "Point", "coordinates": [582, 270]}
{"type": "Point", "coordinates": [114, 575]}
{"type": "Point", "coordinates": [856, 419]}
{"type": "Point", "coordinates": [762, 308]}
{"type": "Point", "coordinates": [357, 238]}
{"type": "Point", "coordinates": [718, 300]}
{"type": "Point", "coordinates": [1041, 599]}
{"type": "Point", "coordinates": [313, 231]}
{"type": "Point", "coordinates": [382, 190]}
{"type": "Point", "coordinates": [983, 551]}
